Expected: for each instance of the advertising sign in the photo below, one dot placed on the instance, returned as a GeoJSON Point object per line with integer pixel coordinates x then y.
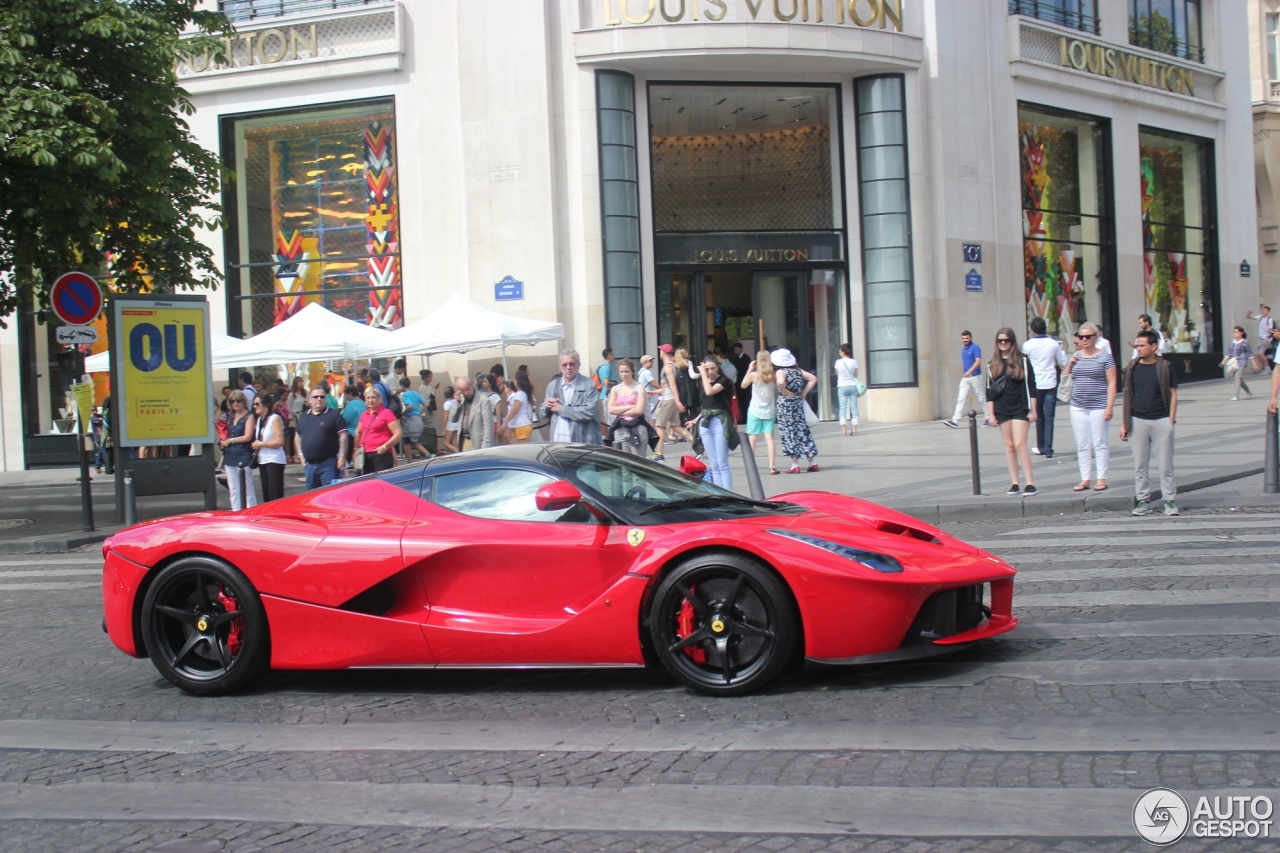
{"type": "Point", "coordinates": [82, 393]}
{"type": "Point", "coordinates": [162, 365]}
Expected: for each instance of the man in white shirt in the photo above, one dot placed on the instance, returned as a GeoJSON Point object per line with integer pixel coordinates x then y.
{"type": "Point", "coordinates": [1266, 346]}
{"type": "Point", "coordinates": [1144, 325]}
{"type": "Point", "coordinates": [1046, 356]}
{"type": "Point", "coordinates": [646, 381]}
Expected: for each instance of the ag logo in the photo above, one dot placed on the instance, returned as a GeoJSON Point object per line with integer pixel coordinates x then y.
{"type": "Point", "coordinates": [1161, 816]}
{"type": "Point", "coordinates": [635, 536]}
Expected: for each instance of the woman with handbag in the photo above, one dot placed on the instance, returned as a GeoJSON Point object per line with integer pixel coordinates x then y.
{"type": "Point", "coordinates": [1091, 375]}
{"type": "Point", "coordinates": [847, 388]}
{"type": "Point", "coordinates": [237, 455]}
{"type": "Point", "coordinates": [1010, 404]}
{"type": "Point", "coordinates": [716, 432]}
{"type": "Point", "coordinates": [269, 445]}
{"type": "Point", "coordinates": [794, 385]}
{"type": "Point", "coordinates": [1241, 353]}
{"type": "Point", "coordinates": [626, 404]}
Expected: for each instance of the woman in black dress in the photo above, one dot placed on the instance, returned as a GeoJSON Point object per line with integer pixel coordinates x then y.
{"type": "Point", "coordinates": [1011, 405]}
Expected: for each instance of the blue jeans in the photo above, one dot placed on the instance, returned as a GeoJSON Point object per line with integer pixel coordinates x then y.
{"type": "Point", "coordinates": [717, 448]}
{"type": "Point", "coordinates": [849, 402]}
{"type": "Point", "coordinates": [1046, 407]}
{"type": "Point", "coordinates": [321, 473]}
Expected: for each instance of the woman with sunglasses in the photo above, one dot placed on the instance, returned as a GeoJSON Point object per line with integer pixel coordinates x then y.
{"type": "Point", "coordinates": [270, 447]}
{"type": "Point", "coordinates": [1010, 404]}
{"type": "Point", "coordinates": [1093, 395]}
{"type": "Point", "coordinates": [236, 452]}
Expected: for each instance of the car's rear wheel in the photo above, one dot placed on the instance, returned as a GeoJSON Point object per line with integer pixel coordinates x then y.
{"type": "Point", "coordinates": [723, 624]}
{"type": "Point", "coordinates": [205, 627]}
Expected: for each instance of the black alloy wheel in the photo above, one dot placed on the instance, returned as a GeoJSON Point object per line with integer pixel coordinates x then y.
{"type": "Point", "coordinates": [205, 627]}
{"type": "Point", "coordinates": [723, 624]}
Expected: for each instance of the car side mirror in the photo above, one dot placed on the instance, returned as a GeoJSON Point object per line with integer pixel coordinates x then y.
{"type": "Point", "coordinates": [692, 466]}
{"type": "Point", "coordinates": [557, 496]}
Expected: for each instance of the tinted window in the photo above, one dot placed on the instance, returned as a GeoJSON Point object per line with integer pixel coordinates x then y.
{"type": "Point", "coordinates": [502, 494]}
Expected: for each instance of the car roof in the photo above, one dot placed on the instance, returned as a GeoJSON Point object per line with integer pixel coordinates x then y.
{"type": "Point", "coordinates": [504, 456]}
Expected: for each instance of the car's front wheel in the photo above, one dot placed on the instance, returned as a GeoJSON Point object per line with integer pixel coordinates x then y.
{"type": "Point", "coordinates": [723, 624]}
{"type": "Point", "coordinates": [205, 627]}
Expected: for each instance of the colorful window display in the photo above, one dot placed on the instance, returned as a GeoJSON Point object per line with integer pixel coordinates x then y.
{"type": "Point", "coordinates": [1066, 221]}
{"type": "Point", "coordinates": [317, 216]}
{"type": "Point", "coordinates": [1178, 241]}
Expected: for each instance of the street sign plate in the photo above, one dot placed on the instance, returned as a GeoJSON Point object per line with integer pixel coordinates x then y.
{"type": "Point", "coordinates": [76, 335]}
{"type": "Point", "coordinates": [972, 252]}
{"type": "Point", "coordinates": [973, 281]}
{"type": "Point", "coordinates": [508, 289]}
{"type": "Point", "coordinates": [76, 299]}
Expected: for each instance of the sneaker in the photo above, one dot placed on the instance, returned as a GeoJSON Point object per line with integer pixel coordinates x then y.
{"type": "Point", "coordinates": [1235, 399]}
{"type": "Point", "coordinates": [1029, 492]}
{"type": "Point", "coordinates": [949, 422]}
{"type": "Point", "coordinates": [1170, 508]}
{"type": "Point", "coordinates": [1035, 451]}
{"type": "Point", "coordinates": [1014, 490]}
{"type": "Point", "coordinates": [1048, 454]}
{"type": "Point", "coordinates": [988, 424]}
{"type": "Point", "coordinates": [1143, 508]}
{"type": "Point", "coordinates": [656, 458]}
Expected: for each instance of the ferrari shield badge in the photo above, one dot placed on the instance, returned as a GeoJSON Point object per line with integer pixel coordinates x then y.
{"type": "Point", "coordinates": [635, 536]}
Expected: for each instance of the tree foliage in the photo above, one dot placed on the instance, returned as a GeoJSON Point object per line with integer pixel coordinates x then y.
{"type": "Point", "coordinates": [96, 160]}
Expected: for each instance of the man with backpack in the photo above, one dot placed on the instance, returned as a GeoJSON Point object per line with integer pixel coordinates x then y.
{"type": "Point", "coordinates": [605, 378]}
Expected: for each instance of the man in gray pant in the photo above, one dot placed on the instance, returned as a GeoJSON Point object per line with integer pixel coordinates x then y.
{"type": "Point", "coordinates": [1150, 411]}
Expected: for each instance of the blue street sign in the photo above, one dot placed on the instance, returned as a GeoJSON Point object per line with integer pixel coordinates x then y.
{"type": "Point", "coordinates": [972, 252]}
{"type": "Point", "coordinates": [508, 289]}
{"type": "Point", "coordinates": [973, 281]}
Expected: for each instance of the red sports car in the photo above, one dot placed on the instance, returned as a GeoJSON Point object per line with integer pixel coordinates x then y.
{"type": "Point", "coordinates": [542, 555]}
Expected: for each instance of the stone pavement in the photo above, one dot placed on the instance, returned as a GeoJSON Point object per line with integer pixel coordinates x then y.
{"type": "Point", "coordinates": [923, 469]}
{"type": "Point", "coordinates": [1147, 657]}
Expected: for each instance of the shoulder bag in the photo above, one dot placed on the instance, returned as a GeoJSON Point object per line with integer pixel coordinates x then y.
{"type": "Point", "coordinates": [1065, 384]}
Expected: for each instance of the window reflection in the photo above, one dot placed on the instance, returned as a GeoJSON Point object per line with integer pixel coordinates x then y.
{"type": "Point", "coordinates": [500, 494]}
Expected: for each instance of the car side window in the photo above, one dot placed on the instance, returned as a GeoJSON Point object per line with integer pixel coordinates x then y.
{"type": "Point", "coordinates": [503, 494]}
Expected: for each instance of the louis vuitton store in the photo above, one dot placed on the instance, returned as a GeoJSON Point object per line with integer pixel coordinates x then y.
{"type": "Point", "coordinates": [795, 173]}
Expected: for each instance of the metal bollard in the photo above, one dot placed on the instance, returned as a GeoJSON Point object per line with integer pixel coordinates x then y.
{"type": "Point", "coordinates": [244, 497]}
{"type": "Point", "coordinates": [1271, 461]}
{"type": "Point", "coordinates": [130, 502]}
{"type": "Point", "coordinates": [973, 451]}
{"type": "Point", "coordinates": [753, 473]}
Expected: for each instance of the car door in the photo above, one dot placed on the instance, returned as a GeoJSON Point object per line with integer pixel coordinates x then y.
{"type": "Point", "coordinates": [509, 584]}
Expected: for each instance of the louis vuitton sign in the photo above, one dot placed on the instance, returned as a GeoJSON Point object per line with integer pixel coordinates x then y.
{"type": "Point", "coordinates": [1118, 64]}
{"type": "Point", "coordinates": [878, 14]}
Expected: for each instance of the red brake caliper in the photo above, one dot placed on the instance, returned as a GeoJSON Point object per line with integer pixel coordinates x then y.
{"type": "Point", "coordinates": [684, 623]}
{"type": "Point", "coordinates": [230, 605]}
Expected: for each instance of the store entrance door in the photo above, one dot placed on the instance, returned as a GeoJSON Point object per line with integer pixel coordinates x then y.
{"type": "Point", "coordinates": [712, 310]}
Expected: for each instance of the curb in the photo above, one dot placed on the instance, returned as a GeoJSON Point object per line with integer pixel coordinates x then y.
{"type": "Point", "coordinates": [985, 509]}
{"type": "Point", "coordinates": [55, 544]}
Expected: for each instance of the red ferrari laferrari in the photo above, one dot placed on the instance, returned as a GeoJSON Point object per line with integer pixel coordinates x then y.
{"type": "Point", "coordinates": [543, 555]}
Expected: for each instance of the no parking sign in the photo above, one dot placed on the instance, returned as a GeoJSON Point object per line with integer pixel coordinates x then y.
{"type": "Point", "coordinates": [76, 299]}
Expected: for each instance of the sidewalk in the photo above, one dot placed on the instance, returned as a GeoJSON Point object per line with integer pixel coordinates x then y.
{"type": "Point", "coordinates": [921, 469]}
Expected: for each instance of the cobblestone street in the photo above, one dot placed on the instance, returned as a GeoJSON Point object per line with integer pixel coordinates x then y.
{"type": "Point", "coordinates": [1146, 658]}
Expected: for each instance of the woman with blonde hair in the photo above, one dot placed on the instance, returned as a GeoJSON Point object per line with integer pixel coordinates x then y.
{"type": "Point", "coordinates": [1011, 405]}
{"type": "Point", "coordinates": [762, 414]}
{"type": "Point", "coordinates": [1093, 395]}
{"type": "Point", "coordinates": [689, 383]}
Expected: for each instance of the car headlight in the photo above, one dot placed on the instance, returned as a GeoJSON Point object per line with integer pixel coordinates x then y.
{"type": "Point", "coordinates": [870, 559]}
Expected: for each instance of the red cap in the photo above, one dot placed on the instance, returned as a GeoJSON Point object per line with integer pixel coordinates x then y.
{"type": "Point", "coordinates": [667, 348]}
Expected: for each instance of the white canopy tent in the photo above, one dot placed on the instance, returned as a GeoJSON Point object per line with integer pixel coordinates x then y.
{"type": "Point", "coordinates": [460, 325]}
{"type": "Point", "coordinates": [313, 334]}
{"type": "Point", "coordinates": [101, 362]}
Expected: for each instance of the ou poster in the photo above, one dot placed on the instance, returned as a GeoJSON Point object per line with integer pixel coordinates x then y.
{"type": "Point", "coordinates": [162, 364]}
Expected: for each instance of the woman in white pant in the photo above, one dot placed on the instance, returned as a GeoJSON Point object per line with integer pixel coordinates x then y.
{"type": "Point", "coordinates": [1093, 395]}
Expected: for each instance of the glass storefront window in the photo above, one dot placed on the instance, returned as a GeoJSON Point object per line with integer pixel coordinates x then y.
{"type": "Point", "coordinates": [620, 211]}
{"type": "Point", "coordinates": [888, 286]}
{"type": "Point", "coordinates": [744, 158]}
{"type": "Point", "coordinates": [1178, 238]}
{"type": "Point", "coordinates": [316, 217]}
{"type": "Point", "coordinates": [1169, 26]}
{"type": "Point", "coordinates": [1066, 221]}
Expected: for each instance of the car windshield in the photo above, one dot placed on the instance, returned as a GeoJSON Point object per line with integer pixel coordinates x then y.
{"type": "Point", "coordinates": [645, 492]}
